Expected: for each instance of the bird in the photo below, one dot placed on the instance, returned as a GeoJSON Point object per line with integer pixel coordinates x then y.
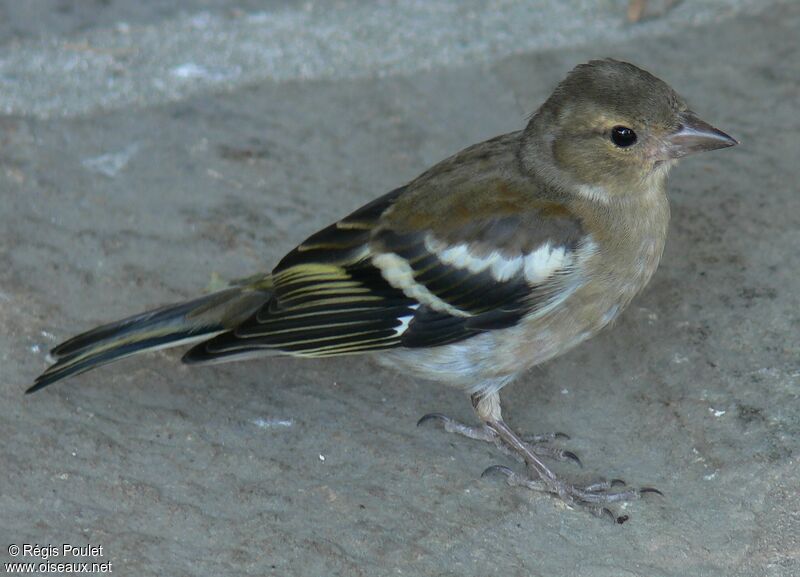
{"type": "Point", "coordinates": [497, 259]}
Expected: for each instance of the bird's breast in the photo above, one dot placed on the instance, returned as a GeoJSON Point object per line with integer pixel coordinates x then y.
{"type": "Point", "coordinates": [626, 250]}
{"type": "Point", "coordinates": [629, 243]}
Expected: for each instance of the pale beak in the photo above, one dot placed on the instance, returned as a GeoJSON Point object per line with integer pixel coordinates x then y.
{"type": "Point", "coordinates": [695, 135]}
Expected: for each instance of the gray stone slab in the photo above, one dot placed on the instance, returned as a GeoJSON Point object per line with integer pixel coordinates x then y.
{"type": "Point", "coordinates": [289, 467]}
{"type": "Point", "coordinates": [164, 52]}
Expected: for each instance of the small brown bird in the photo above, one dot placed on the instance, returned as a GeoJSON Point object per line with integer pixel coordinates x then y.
{"type": "Point", "coordinates": [495, 260]}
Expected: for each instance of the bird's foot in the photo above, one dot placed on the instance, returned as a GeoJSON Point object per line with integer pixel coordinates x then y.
{"type": "Point", "coordinates": [540, 445]}
{"type": "Point", "coordinates": [595, 497]}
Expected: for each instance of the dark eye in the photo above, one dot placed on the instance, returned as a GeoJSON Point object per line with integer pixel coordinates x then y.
{"type": "Point", "coordinates": [623, 136]}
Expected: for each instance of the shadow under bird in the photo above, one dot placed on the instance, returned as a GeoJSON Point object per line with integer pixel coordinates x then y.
{"type": "Point", "coordinates": [497, 259]}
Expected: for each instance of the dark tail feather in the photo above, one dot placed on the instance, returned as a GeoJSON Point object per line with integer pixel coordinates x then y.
{"type": "Point", "coordinates": [169, 326]}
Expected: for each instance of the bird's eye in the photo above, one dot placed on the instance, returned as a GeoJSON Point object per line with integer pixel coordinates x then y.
{"type": "Point", "coordinates": [623, 136]}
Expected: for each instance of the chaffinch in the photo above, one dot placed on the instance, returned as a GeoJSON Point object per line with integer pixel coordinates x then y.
{"type": "Point", "coordinates": [497, 259]}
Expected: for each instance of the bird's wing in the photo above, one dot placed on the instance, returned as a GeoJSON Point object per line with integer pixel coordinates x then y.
{"type": "Point", "coordinates": [327, 299]}
{"type": "Point", "coordinates": [389, 276]}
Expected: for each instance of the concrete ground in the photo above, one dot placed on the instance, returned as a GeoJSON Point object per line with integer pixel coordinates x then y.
{"type": "Point", "coordinates": [150, 149]}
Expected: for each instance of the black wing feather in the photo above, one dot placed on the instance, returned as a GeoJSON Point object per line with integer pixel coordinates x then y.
{"type": "Point", "coordinates": [327, 300]}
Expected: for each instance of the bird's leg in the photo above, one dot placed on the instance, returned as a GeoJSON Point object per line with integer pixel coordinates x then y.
{"type": "Point", "coordinates": [540, 477]}
{"type": "Point", "coordinates": [538, 444]}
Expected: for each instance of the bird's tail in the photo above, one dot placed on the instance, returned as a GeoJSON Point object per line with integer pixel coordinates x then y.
{"type": "Point", "coordinates": [169, 326]}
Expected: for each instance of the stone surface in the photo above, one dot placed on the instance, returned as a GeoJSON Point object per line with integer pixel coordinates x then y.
{"type": "Point", "coordinates": [289, 467]}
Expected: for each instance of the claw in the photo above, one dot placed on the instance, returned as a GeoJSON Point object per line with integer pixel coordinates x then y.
{"type": "Point", "coordinates": [607, 513]}
{"type": "Point", "coordinates": [497, 469]}
{"type": "Point", "coordinates": [431, 417]}
{"type": "Point", "coordinates": [650, 490]}
{"type": "Point", "coordinates": [617, 483]}
{"type": "Point", "coordinates": [573, 457]}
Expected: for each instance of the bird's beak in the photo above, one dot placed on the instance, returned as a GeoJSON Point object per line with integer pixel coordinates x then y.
{"type": "Point", "coordinates": [695, 135]}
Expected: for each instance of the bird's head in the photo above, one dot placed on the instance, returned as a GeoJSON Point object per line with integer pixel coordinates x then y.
{"type": "Point", "coordinates": [612, 128]}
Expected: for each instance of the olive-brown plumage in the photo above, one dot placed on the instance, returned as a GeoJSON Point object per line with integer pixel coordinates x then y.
{"type": "Point", "coordinates": [501, 257]}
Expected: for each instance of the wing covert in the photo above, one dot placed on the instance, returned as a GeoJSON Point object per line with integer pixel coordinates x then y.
{"type": "Point", "coordinates": [485, 275]}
